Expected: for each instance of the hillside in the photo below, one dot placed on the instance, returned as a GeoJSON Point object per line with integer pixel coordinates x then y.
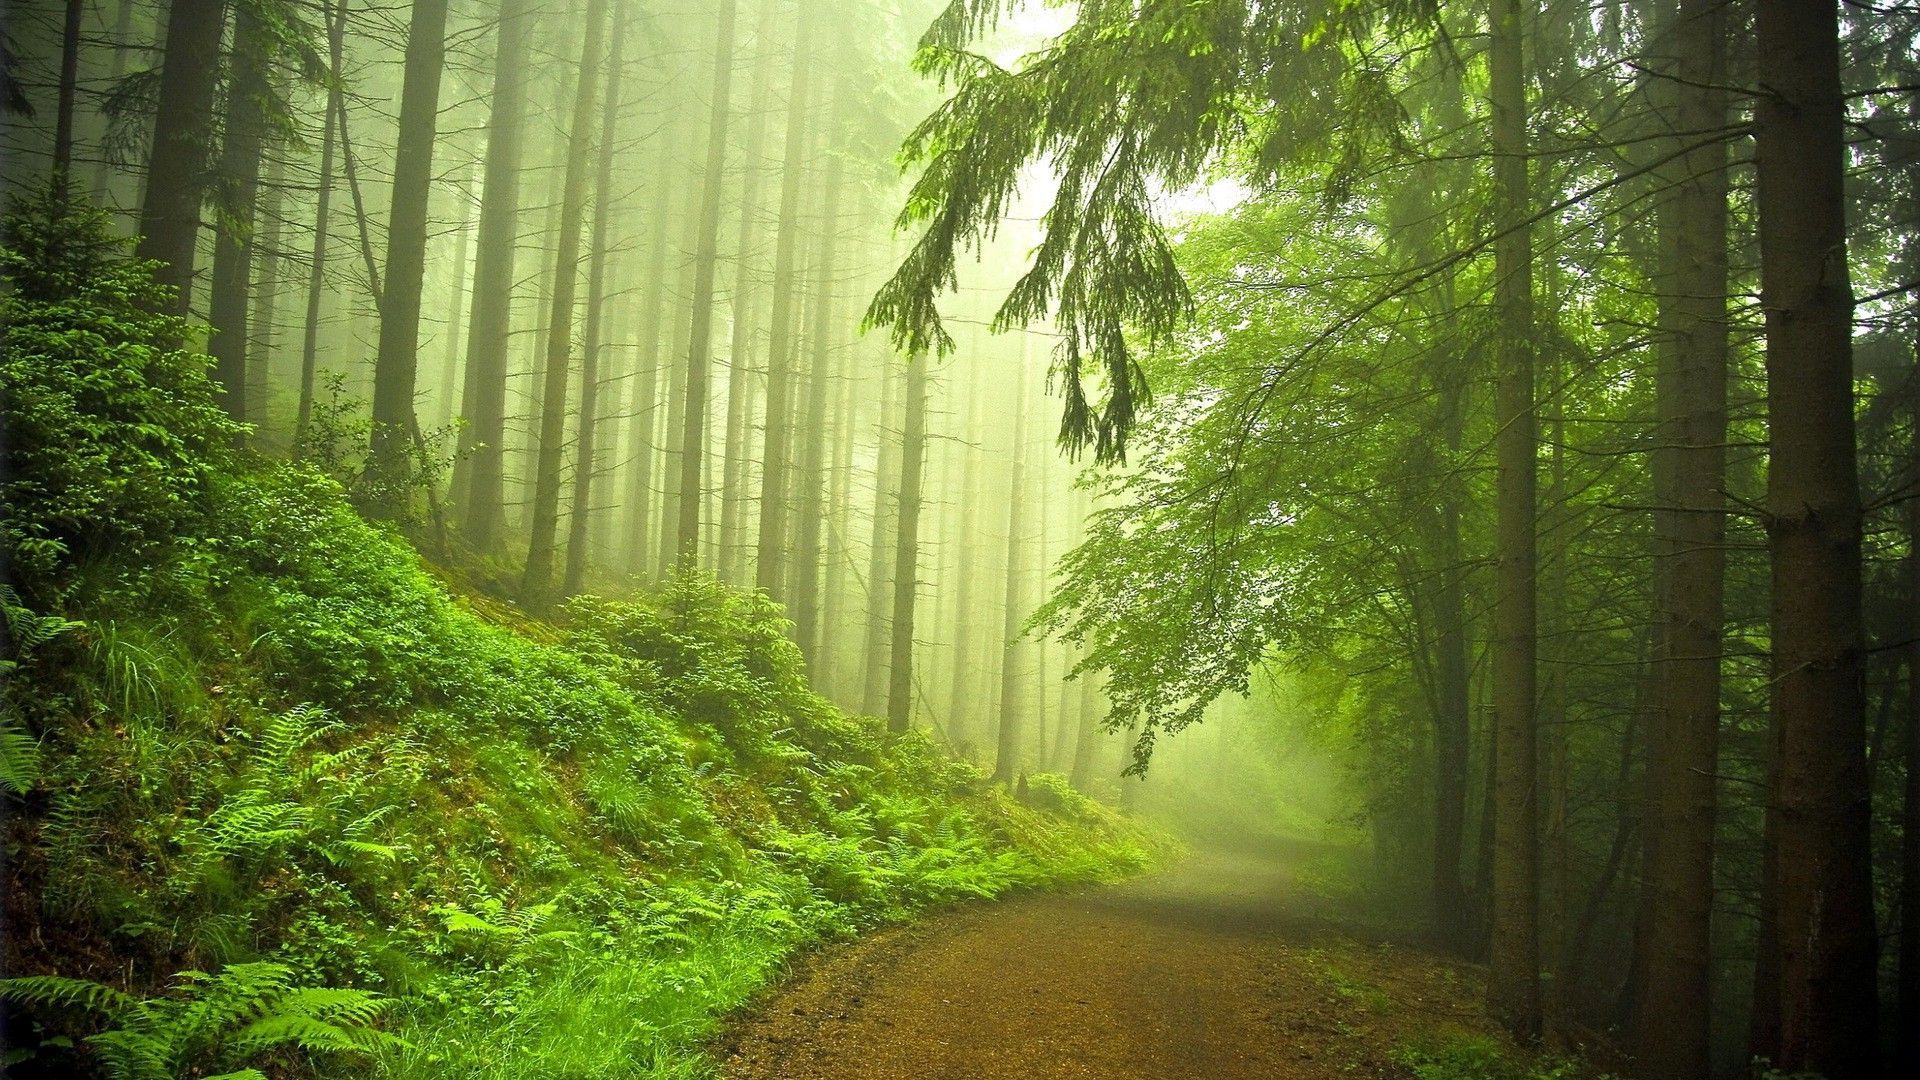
{"type": "Point", "coordinates": [279, 799]}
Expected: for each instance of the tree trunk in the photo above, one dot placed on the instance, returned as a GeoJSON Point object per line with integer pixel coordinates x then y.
{"type": "Point", "coordinates": [810, 479]}
{"type": "Point", "coordinates": [537, 580]}
{"type": "Point", "coordinates": [322, 223]}
{"type": "Point", "coordinates": [1822, 877]}
{"type": "Point", "coordinates": [675, 418]}
{"type": "Point", "coordinates": [1006, 761]}
{"type": "Point", "coordinates": [450, 348]}
{"type": "Point", "coordinates": [182, 132]}
{"type": "Point", "coordinates": [1819, 881]}
{"type": "Point", "coordinates": [733, 474]}
{"type": "Point", "coordinates": [69, 86]}
{"type": "Point", "coordinates": [397, 364]}
{"type": "Point", "coordinates": [1673, 1018]}
{"type": "Point", "coordinates": [693, 439]}
{"type": "Point", "coordinates": [962, 702]}
{"type": "Point", "coordinates": [835, 606]}
{"type": "Point", "coordinates": [1452, 737]}
{"type": "Point", "coordinates": [586, 445]}
{"type": "Point", "coordinates": [643, 441]}
{"type": "Point", "coordinates": [1513, 975]}
{"type": "Point", "coordinates": [772, 547]}
{"type": "Point", "coordinates": [875, 664]}
{"type": "Point", "coordinates": [267, 262]}
{"type": "Point", "coordinates": [1907, 1052]}
{"type": "Point", "coordinates": [483, 399]}
{"type": "Point", "coordinates": [913, 450]}
{"type": "Point", "coordinates": [231, 293]}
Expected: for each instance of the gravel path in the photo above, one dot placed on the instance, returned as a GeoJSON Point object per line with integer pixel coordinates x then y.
{"type": "Point", "coordinates": [1223, 967]}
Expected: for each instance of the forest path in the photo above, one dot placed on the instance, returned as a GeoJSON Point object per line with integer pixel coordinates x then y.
{"type": "Point", "coordinates": [1227, 965]}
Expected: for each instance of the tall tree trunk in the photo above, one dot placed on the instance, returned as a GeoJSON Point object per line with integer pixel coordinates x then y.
{"type": "Point", "coordinates": [232, 285]}
{"type": "Point", "coordinates": [733, 477]}
{"type": "Point", "coordinates": [875, 662]}
{"type": "Point", "coordinates": [675, 417]}
{"type": "Point", "coordinates": [1006, 760]}
{"type": "Point", "coordinates": [182, 134]}
{"type": "Point", "coordinates": [585, 445]}
{"type": "Point", "coordinates": [772, 547]}
{"type": "Point", "coordinates": [397, 363]}
{"type": "Point", "coordinates": [450, 348]}
{"type": "Point", "coordinates": [267, 262]}
{"type": "Point", "coordinates": [322, 225]}
{"type": "Point", "coordinates": [962, 703]}
{"type": "Point", "coordinates": [1674, 1014]}
{"type": "Point", "coordinates": [906, 583]}
{"type": "Point", "coordinates": [105, 171]}
{"type": "Point", "coordinates": [837, 554]}
{"type": "Point", "coordinates": [1907, 1052]}
{"type": "Point", "coordinates": [1452, 737]}
{"type": "Point", "coordinates": [537, 580]}
{"type": "Point", "coordinates": [481, 479]}
{"type": "Point", "coordinates": [810, 478]}
{"type": "Point", "coordinates": [1513, 976]}
{"type": "Point", "coordinates": [69, 86]}
{"type": "Point", "coordinates": [1087, 744]}
{"type": "Point", "coordinates": [693, 440]}
{"type": "Point", "coordinates": [1822, 877]}
{"type": "Point", "coordinates": [643, 441]}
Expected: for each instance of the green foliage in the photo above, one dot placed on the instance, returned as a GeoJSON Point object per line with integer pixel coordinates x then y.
{"type": "Point", "coordinates": [112, 429]}
{"type": "Point", "coordinates": [212, 1021]}
{"type": "Point", "coordinates": [267, 741]}
{"type": "Point", "coordinates": [1132, 99]}
{"type": "Point", "coordinates": [1478, 1057]}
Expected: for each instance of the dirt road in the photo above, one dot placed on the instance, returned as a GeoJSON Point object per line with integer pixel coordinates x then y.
{"type": "Point", "coordinates": [1226, 966]}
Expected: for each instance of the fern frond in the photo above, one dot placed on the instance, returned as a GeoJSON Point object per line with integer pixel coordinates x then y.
{"type": "Point", "coordinates": [59, 991]}
{"type": "Point", "coordinates": [19, 758]}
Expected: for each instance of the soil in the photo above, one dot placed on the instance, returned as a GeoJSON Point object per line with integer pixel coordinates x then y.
{"type": "Point", "coordinates": [1231, 964]}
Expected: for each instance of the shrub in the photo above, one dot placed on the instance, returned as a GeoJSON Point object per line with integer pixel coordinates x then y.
{"type": "Point", "coordinates": [111, 431]}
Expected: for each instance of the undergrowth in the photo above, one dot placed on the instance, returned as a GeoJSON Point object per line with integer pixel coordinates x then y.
{"type": "Point", "coordinates": [281, 802]}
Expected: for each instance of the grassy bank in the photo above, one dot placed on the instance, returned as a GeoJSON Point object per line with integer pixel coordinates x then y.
{"type": "Point", "coordinates": [280, 799]}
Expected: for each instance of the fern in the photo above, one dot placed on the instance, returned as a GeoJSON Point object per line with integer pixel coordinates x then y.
{"type": "Point", "coordinates": [243, 1010]}
{"type": "Point", "coordinates": [19, 758]}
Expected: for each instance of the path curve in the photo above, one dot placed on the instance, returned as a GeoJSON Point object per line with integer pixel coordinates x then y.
{"type": "Point", "coordinates": [1224, 967]}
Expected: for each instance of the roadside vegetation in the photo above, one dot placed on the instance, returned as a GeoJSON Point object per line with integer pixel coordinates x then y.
{"type": "Point", "coordinates": [281, 797]}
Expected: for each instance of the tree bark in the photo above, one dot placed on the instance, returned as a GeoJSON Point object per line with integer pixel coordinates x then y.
{"type": "Point", "coordinates": [182, 135]}
{"type": "Point", "coordinates": [1826, 992]}
{"type": "Point", "coordinates": [693, 439]}
{"type": "Point", "coordinates": [396, 366]}
{"type": "Point", "coordinates": [450, 347]}
{"type": "Point", "coordinates": [772, 550]}
{"type": "Point", "coordinates": [733, 474]}
{"type": "Point", "coordinates": [537, 580]}
{"type": "Point", "coordinates": [231, 290]}
{"type": "Point", "coordinates": [481, 479]}
{"type": "Point", "coordinates": [875, 662]}
{"type": "Point", "coordinates": [1907, 1050]}
{"type": "Point", "coordinates": [1006, 760]}
{"type": "Point", "coordinates": [63, 109]}
{"type": "Point", "coordinates": [1513, 975]}
{"type": "Point", "coordinates": [966, 555]}
{"type": "Point", "coordinates": [1673, 1018]}
{"type": "Point", "coordinates": [322, 223]}
{"type": "Point", "coordinates": [907, 549]}
{"type": "Point", "coordinates": [586, 445]}
{"type": "Point", "coordinates": [810, 478]}
{"type": "Point", "coordinates": [643, 440]}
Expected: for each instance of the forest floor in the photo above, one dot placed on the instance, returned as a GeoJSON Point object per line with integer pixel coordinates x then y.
{"type": "Point", "coordinates": [1236, 962]}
